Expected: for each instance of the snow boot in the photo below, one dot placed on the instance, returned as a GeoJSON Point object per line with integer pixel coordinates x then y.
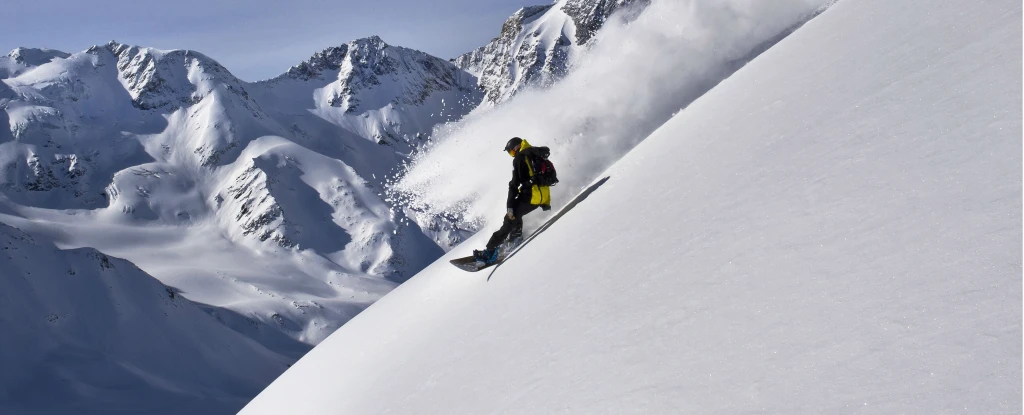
{"type": "Point", "coordinates": [487, 256]}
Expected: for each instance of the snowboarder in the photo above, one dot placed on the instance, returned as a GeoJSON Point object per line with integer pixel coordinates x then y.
{"type": "Point", "coordinates": [524, 196]}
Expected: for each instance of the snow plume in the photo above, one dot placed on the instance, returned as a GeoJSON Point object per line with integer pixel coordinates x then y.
{"type": "Point", "coordinates": [637, 76]}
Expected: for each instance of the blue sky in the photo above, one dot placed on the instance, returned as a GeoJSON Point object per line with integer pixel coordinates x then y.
{"type": "Point", "coordinates": [255, 39]}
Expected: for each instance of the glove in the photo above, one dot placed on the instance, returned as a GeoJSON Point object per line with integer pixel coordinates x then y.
{"type": "Point", "coordinates": [508, 213]}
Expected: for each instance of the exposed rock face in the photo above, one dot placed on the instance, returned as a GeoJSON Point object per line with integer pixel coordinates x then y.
{"type": "Point", "coordinates": [589, 16]}
{"type": "Point", "coordinates": [537, 44]}
{"type": "Point", "coordinates": [365, 66]}
{"type": "Point", "coordinates": [389, 94]}
{"type": "Point", "coordinates": [327, 59]}
{"type": "Point", "coordinates": [256, 210]}
{"type": "Point", "coordinates": [169, 80]}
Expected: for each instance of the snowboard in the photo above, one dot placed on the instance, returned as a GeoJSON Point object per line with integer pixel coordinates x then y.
{"type": "Point", "coordinates": [509, 248]}
{"type": "Point", "coordinates": [471, 264]}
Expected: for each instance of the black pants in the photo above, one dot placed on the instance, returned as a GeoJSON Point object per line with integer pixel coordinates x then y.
{"type": "Point", "coordinates": [511, 226]}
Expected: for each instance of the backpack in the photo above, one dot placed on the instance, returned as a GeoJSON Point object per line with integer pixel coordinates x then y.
{"type": "Point", "coordinates": [543, 170]}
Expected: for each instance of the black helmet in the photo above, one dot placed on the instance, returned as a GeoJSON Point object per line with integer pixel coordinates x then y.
{"type": "Point", "coordinates": [513, 144]}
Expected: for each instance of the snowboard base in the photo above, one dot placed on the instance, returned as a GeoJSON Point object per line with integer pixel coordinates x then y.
{"type": "Point", "coordinates": [471, 264]}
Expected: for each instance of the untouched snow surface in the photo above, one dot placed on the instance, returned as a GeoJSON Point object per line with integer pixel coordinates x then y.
{"type": "Point", "coordinates": [835, 228]}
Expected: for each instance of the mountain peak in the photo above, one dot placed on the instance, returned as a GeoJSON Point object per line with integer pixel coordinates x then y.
{"type": "Point", "coordinates": [514, 24]}
{"type": "Point", "coordinates": [589, 16]}
{"type": "Point", "coordinates": [36, 56]}
{"type": "Point", "coordinates": [374, 39]}
{"type": "Point", "coordinates": [329, 58]}
{"type": "Point", "coordinates": [537, 44]}
{"type": "Point", "coordinates": [332, 57]}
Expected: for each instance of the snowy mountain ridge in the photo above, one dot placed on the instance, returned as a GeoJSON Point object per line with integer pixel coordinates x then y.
{"type": "Point", "coordinates": [537, 44]}
{"type": "Point", "coordinates": [21, 60]}
{"type": "Point", "coordinates": [158, 79]}
{"type": "Point", "coordinates": [399, 93]}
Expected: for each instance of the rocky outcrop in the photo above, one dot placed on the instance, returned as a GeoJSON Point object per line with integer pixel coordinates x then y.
{"type": "Point", "coordinates": [537, 43]}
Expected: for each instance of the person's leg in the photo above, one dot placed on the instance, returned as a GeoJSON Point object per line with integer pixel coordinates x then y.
{"type": "Point", "coordinates": [507, 225]}
{"type": "Point", "coordinates": [519, 211]}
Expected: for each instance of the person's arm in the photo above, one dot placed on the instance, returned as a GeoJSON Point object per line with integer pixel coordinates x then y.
{"type": "Point", "coordinates": [518, 173]}
{"type": "Point", "coordinates": [513, 191]}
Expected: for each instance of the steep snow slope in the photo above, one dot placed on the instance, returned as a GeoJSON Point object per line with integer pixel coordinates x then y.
{"type": "Point", "coordinates": [835, 228]}
{"type": "Point", "coordinates": [84, 332]}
